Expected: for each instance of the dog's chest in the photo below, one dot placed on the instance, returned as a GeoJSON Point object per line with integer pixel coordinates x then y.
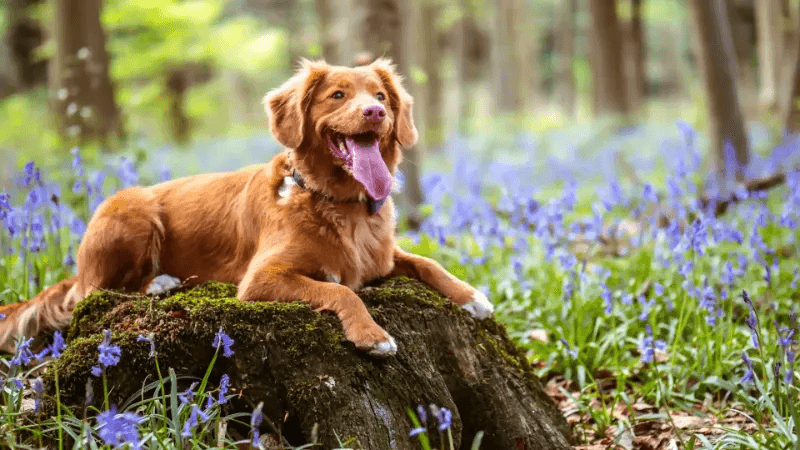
{"type": "Point", "coordinates": [366, 253]}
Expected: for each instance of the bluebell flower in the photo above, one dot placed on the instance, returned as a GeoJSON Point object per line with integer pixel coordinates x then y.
{"type": "Point", "coordinates": [444, 416]}
{"type": "Point", "coordinates": [658, 289]}
{"type": "Point", "coordinates": [570, 351]}
{"type": "Point", "coordinates": [795, 277]}
{"type": "Point", "coordinates": [38, 391]}
{"type": "Point", "coordinates": [607, 300]}
{"type": "Point", "coordinates": [647, 306]}
{"type": "Point", "coordinates": [77, 226]}
{"type": "Point", "coordinates": [416, 431]}
{"type": "Point", "coordinates": [23, 355]}
{"type": "Point", "coordinates": [149, 340]}
{"type": "Point", "coordinates": [118, 430]}
{"type": "Point", "coordinates": [224, 385]}
{"type": "Point", "coordinates": [422, 414]}
{"type": "Point", "coordinates": [58, 345]}
{"type": "Point", "coordinates": [648, 346]}
{"type": "Point", "coordinates": [188, 395]}
{"type": "Point", "coordinates": [255, 421]}
{"type": "Point", "coordinates": [196, 416]}
{"type": "Point", "coordinates": [223, 339]}
{"type": "Point", "coordinates": [790, 355]}
{"type": "Point", "coordinates": [627, 299]}
{"type": "Point", "coordinates": [109, 354]}
{"type": "Point", "coordinates": [751, 320]}
{"type": "Point", "coordinates": [96, 371]}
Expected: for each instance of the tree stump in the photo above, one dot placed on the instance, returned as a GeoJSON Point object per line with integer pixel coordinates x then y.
{"type": "Point", "coordinates": [313, 383]}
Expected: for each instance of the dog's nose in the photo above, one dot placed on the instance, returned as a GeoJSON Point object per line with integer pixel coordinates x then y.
{"type": "Point", "coordinates": [374, 113]}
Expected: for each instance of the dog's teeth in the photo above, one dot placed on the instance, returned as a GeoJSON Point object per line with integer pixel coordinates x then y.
{"type": "Point", "coordinates": [342, 147]}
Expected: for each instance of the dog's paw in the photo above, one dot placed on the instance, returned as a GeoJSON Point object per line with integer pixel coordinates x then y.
{"type": "Point", "coordinates": [479, 307]}
{"type": "Point", "coordinates": [161, 284]}
{"type": "Point", "coordinates": [384, 349]}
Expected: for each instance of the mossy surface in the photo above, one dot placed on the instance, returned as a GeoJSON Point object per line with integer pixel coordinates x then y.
{"type": "Point", "coordinates": [298, 362]}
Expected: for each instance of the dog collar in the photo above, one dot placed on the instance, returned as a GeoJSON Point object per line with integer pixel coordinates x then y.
{"type": "Point", "coordinates": [373, 206]}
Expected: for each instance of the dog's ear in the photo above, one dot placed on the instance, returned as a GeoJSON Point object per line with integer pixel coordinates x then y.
{"type": "Point", "coordinates": [287, 105]}
{"type": "Point", "coordinates": [400, 100]}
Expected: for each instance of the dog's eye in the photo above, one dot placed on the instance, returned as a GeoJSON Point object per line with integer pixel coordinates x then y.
{"type": "Point", "coordinates": [337, 95]}
{"type": "Point", "coordinates": [380, 96]}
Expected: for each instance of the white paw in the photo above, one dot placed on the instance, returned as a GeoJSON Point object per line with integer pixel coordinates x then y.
{"type": "Point", "coordinates": [479, 307]}
{"type": "Point", "coordinates": [384, 349]}
{"type": "Point", "coordinates": [162, 284]}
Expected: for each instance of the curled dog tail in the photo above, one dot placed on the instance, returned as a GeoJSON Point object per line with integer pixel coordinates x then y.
{"type": "Point", "coordinates": [50, 310]}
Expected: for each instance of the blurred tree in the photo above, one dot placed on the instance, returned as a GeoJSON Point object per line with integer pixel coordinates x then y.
{"type": "Point", "coordinates": [85, 101]}
{"type": "Point", "coordinates": [24, 35]}
{"type": "Point", "coordinates": [432, 125]}
{"type": "Point", "coordinates": [325, 28]}
{"type": "Point", "coordinates": [742, 21]}
{"type": "Point", "coordinates": [636, 56]}
{"type": "Point", "coordinates": [607, 59]}
{"type": "Point", "coordinates": [471, 54]}
{"type": "Point", "coordinates": [791, 109]}
{"type": "Point", "coordinates": [381, 31]}
{"type": "Point", "coordinates": [770, 51]}
{"type": "Point", "coordinates": [565, 53]}
{"type": "Point", "coordinates": [718, 65]}
{"type": "Point", "coordinates": [506, 65]}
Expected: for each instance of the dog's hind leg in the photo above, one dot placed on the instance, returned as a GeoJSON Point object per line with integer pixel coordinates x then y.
{"type": "Point", "coordinates": [49, 310]}
{"type": "Point", "coordinates": [120, 250]}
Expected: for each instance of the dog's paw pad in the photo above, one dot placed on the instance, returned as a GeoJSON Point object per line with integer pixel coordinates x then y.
{"type": "Point", "coordinates": [384, 349]}
{"type": "Point", "coordinates": [161, 284]}
{"type": "Point", "coordinates": [479, 307]}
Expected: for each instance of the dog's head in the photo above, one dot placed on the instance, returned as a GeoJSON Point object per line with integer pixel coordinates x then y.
{"type": "Point", "coordinates": [345, 126]}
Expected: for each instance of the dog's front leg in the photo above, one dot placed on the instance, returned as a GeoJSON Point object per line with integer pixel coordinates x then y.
{"type": "Point", "coordinates": [277, 282]}
{"type": "Point", "coordinates": [432, 273]}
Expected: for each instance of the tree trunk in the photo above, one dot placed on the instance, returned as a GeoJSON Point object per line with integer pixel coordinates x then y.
{"type": "Point", "coordinates": [325, 27]}
{"type": "Point", "coordinates": [607, 58]}
{"type": "Point", "coordinates": [85, 99]}
{"type": "Point", "coordinates": [719, 74]}
{"type": "Point", "coordinates": [770, 51]}
{"type": "Point", "coordinates": [636, 56]}
{"type": "Point", "coordinates": [565, 53]}
{"type": "Point", "coordinates": [22, 68]}
{"type": "Point", "coordinates": [381, 28]}
{"type": "Point", "coordinates": [314, 385]}
{"type": "Point", "coordinates": [791, 108]}
{"type": "Point", "coordinates": [433, 122]}
{"type": "Point", "coordinates": [505, 65]}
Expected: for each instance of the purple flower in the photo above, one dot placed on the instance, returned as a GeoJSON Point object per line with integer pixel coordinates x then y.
{"type": "Point", "coordinates": [255, 421]}
{"type": "Point", "coordinates": [422, 414]}
{"type": "Point", "coordinates": [647, 306]}
{"type": "Point", "coordinates": [119, 429]}
{"type": "Point", "coordinates": [658, 289]}
{"type": "Point", "coordinates": [225, 341]}
{"type": "Point", "coordinates": [572, 353]}
{"type": "Point", "coordinates": [224, 385]}
{"type": "Point", "coordinates": [649, 346]}
{"type": "Point", "coordinates": [109, 354]}
{"type": "Point", "coordinates": [38, 390]}
{"type": "Point", "coordinates": [152, 343]}
{"type": "Point", "coordinates": [416, 431]}
{"type": "Point", "coordinates": [96, 371]}
{"type": "Point", "coordinates": [188, 395]}
{"type": "Point", "coordinates": [606, 296]}
{"type": "Point", "coordinates": [789, 366]}
{"type": "Point", "coordinates": [196, 416]}
{"type": "Point", "coordinates": [23, 354]}
{"type": "Point", "coordinates": [627, 299]}
{"type": "Point", "coordinates": [444, 417]}
{"type": "Point", "coordinates": [58, 345]}
{"type": "Point", "coordinates": [748, 374]}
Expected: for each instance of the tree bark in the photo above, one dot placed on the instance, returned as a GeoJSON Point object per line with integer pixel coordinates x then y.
{"type": "Point", "coordinates": [565, 53]}
{"type": "Point", "coordinates": [607, 58]}
{"type": "Point", "coordinates": [636, 56]}
{"type": "Point", "coordinates": [791, 107]}
{"type": "Point", "coordinates": [770, 51]}
{"type": "Point", "coordinates": [325, 27]}
{"type": "Point", "coordinates": [308, 377]}
{"type": "Point", "coordinates": [382, 28]}
{"type": "Point", "coordinates": [505, 64]}
{"type": "Point", "coordinates": [726, 122]}
{"type": "Point", "coordinates": [85, 100]}
{"type": "Point", "coordinates": [433, 122]}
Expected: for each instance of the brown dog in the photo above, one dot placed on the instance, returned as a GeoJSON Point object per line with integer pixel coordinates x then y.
{"type": "Point", "coordinates": [314, 224]}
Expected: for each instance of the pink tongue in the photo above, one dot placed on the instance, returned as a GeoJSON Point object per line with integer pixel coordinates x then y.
{"type": "Point", "coordinates": [369, 168]}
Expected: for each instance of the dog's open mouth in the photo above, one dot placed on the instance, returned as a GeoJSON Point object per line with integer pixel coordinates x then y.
{"type": "Point", "coordinates": [362, 159]}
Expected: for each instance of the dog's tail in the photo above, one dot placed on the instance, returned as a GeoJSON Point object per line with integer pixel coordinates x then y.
{"type": "Point", "coordinates": [50, 310]}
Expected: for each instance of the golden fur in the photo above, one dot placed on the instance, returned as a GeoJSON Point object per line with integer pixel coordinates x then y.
{"type": "Point", "coordinates": [237, 228]}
